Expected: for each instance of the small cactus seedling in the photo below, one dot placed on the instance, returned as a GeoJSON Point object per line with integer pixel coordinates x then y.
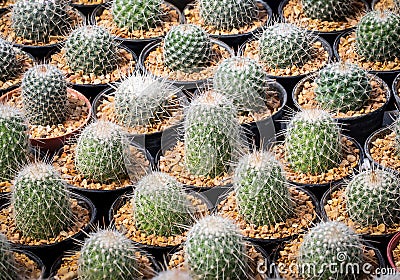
{"type": "Point", "coordinates": [329, 10]}
{"type": "Point", "coordinates": [8, 270]}
{"type": "Point", "coordinates": [215, 249]}
{"type": "Point", "coordinates": [175, 274]}
{"type": "Point", "coordinates": [41, 202]}
{"type": "Point", "coordinates": [161, 206]}
{"type": "Point", "coordinates": [313, 142]}
{"type": "Point", "coordinates": [262, 193]}
{"type": "Point", "coordinates": [373, 198]}
{"type": "Point", "coordinates": [329, 243]}
{"type": "Point", "coordinates": [44, 95]}
{"type": "Point", "coordinates": [9, 64]}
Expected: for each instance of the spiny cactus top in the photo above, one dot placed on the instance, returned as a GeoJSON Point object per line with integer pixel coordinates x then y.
{"type": "Point", "coordinates": [44, 95]}
{"type": "Point", "coordinates": [161, 206]}
{"type": "Point", "coordinates": [284, 44]}
{"type": "Point", "coordinates": [243, 81]}
{"type": "Point", "coordinates": [378, 36]}
{"type": "Point", "coordinates": [215, 249]}
{"type": "Point", "coordinates": [187, 47]}
{"type": "Point", "coordinates": [8, 270]}
{"type": "Point", "coordinates": [330, 10]}
{"type": "Point", "coordinates": [108, 253]}
{"type": "Point", "coordinates": [342, 87]}
{"type": "Point", "coordinates": [313, 142]}
{"type": "Point", "coordinates": [9, 65]}
{"type": "Point", "coordinates": [91, 49]}
{"type": "Point", "coordinates": [373, 198]}
{"type": "Point", "coordinates": [14, 141]}
{"type": "Point", "coordinates": [329, 243]}
{"type": "Point", "coordinates": [175, 274]}
{"type": "Point", "coordinates": [228, 14]}
{"type": "Point", "coordinates": [41, 202]}
{"type": "Point", "coordinates": [259, 176]}
{"type": "Point", "coordinates": [136, 14]}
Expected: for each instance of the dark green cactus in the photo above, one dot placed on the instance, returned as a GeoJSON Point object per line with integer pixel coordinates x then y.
{"type": "Point", "coordinates": [329, 10]}
{"type": "Point", "coordinates": [9, 64]}
{"type": "Point", "coordinates": [8, 269]}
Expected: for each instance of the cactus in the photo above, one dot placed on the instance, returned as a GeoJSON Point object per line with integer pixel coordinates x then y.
{"type": "Point", "coordinates": [342, 87]}
{"type": "Point", "coordinates": [259, 176]}
{"type": "Point", "coordinates": [283, 45]}
{"type": "Point", "coordinates": [372, 198]}
{"type": "Point", "coordinates": [212, 135]}
{"type": "Point", "coordinates": [9, 64]}
{"type": "Point", "coordinates": [108, 253]}
{"type": "Point", "coordinates": [136, 14]}
{"type": "Point", "coordinates": [161, 206]}
{"type": "Point", "coordinates": [329, 10]}
{"type": "Point", "coordinates": [142, 99]}
{"type": "Point", "coordinates": [175, 274]}
{"type": "Point", "coordinates": [92, 50]}
{"type": "Point", "coordinates": [378, 36]}
{"type": "Point", "coordinates": [313, 142]}
{"type": "Point", "coordinates": [14, 141]}
{"type": "Point", "coordinates": [215, 249]}
{"type": "Point", "coordinates": [329, 243]}
{"type": "Point", "coordinates": [44, 95]}
{"type": "Point", "coordinates": [39, 20]}
{"type": "Point", "coordinates": [228, 14]}
{"type": "Point", "coordinates": [186, 48]}
{"type": "Point", "coordinates": [390, 276]}
{"type": "Point", "coordinates": [243, 81]}
{"type": "Point", "coordinates": [41, 202]}
{"type": "Point", "coordinates": [8, 270]}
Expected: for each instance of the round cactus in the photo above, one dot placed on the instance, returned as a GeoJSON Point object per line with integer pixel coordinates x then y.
{"type": "Point", "coordinates": [44, 95]}
{"type": "Point", "coordinates": [14, 141]}
{"type": "Point", "coordinates": [329, 243]}
{"type": "Point", "coordinates": [215, 249]}
{"type": "Point", "coordinates": [136, 14]}
{"type": "Point", "coordinates": [329, 10]}
{"type": "Point", "coordinates": [108, 253]}
{"type": "Point", "coordinates": [187, 47]}
{"type": "Point", "coordinates": [41, 202]}
{"type": "Point", "coordinates": [175, 274]}
{"type": "Point", "coordinates": [91, 49]}
{"type": "Point", "coordinates": [8, 269]}
{"type": "Point", "coordinates": [313, 142]}
{"type": "Point", "coordinates": [161, 206]}
{"type": "Point", "coordinates": [283, 44]}
{"type": "Point", "coordinates": [9, 64]}
{"type": "Point", "coordinates": [378, 36]}
{"type": "Point", "coordinates": [243, 81]}
{"type": "Point", "coordinates": [228, 14]}
{"type": "Point", "coordinates": [212, 135]}
{"type": "Point", "coordinates": [373, 198]}
{"type": "Point", "coordinates": [342, 87]}
{"type": "Point", "coordinates": [259, 176]}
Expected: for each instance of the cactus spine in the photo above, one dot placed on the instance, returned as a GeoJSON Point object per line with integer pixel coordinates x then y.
{"type": "Point", "coordinates": [175, 274]}
{"type": "Point", "coordinates": [8, 270]}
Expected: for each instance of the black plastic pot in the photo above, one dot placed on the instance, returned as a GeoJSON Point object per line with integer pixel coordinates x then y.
{"type": "Point", "coordinates": [85, 9]}
{"type": "Point", "coordinates": [395, 90]}
{"type": "Point", "coordinates": [136, 45]}
{"type": "Point", "coordinates": [358, 127]}
{"type": "Point", "coordinates": [180, 4]}
{"type": "Point", "coordinates": [274, 4]}
{"type": "Point", "coordinates": [187, 85]}
{"type": "Point", "coordinates": [34, 258]}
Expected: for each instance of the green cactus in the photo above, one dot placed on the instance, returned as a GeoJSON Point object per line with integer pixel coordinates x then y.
{"type": "Point", "coordinates": [329, 10]}
{"type": "Point", "coordinates": [372, 198]}
{"type": "Point", "coordinates": [378, 36]}
{"type": "Point", "coordinates": [212, 135]}
{"type": "Point", "coordinates": [215, 249]}
{"type": "Point", "coordinates": [39, 20]}
{"type": "Point", "coordinates": [342, 87]}
{"type": "Point", "coordinates": [108, 254]}
{"type": "Point", "coordinates": [44, 95]}
{"type": "Point", "coordinates": [175, 274]}
{"type": "Point", "coordinates": [136, 14]}
{"type": "Point", "coordinates": [259, 176]}
{"type": "Point", "coordinates": [187, 48]}
{"type": "Point", "coordinates": [243, 81]}
{"type": "Point", "coordinates": [313, 142]}
{"type": "Point", "coordinates": [228, 14]}
{"type": "Point", "coordinates": [91, 49]}
{"type": "Point", "coordinates": [283, 44]}
{"type": "Point", "coordinates": [14, 141]}
{"type": "Point", "coordinates": [161, 206]}
{"type": "Point", "coordinates": [41, 202]}
{"type": "Point", "coordinates": [9, 64]}
{"type": "Point", "coordinates": [329, 243]}
{"type": "Point", "coordinates": [8, 269]}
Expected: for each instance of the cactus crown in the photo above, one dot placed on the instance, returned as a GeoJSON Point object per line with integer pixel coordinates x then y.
{"type": "Point", "coordinates": [174, 274]}
{"type": "Point", "coordinates": [342, 87]}
{"type": "Point", "coordinates": [161, 206]}
{"type": "Point", "coordinates": [9, 64]}
{"type": "Point", "coordinates": [329, 10]}
{"type": "Point", "coordinates": [44, 95]}
{"type": "Point", "coordinates": [41, 202]}
{"type": "Point", "coordinates": [313, 142]}
{"type": "Point", "coordinates": [8, 270]}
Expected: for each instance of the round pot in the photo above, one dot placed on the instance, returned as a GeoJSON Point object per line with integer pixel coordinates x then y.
{"type": "Point", "coordinates": [274, 4]}
{"type": "Point", "coordinates": [188, 85]}
{"type": "Point", "coordinates": [85, 9]}
{"type": "Point", "coordinates": [54, 143]}
{"type": "Point", "coordinates": [136, 45]}
{"type": "Point", "coordinates": [358, 127]}
{"type": "Point", "coordinates": [389, 251]}
{"type": "Point", "coordinates": [180, 4]}
{"type": "Point", "coordinates": [34, 258]}
{"type": "Point", "coordinates": [395, 90]}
